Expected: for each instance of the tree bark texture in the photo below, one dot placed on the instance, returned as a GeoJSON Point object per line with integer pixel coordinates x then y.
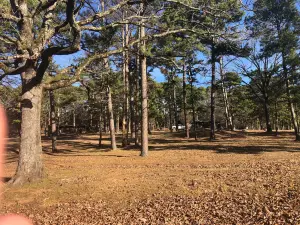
{"type": "Point", "coordinates": [30, 166]}
{"type": "Point", "coordinates": [144, 150]}
{"type": "Point", "coordinates": [137, 97]}
{"type": "Point", "coordinates": [111, 120]}
{"type": "Point", "coordinates": [125, 35]}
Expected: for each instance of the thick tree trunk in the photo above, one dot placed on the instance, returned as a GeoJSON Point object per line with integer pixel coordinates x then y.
{"type": "Point", "coordinates": [187, 132]}
{"type": "Point", "coordinates": [144, 150]}
{"type": "Point", "coordinates": [53, 121]}
{"type": "Point", "coordinates": [30, 166]}
{"type": "Point", "coordinates": [111, 120]}
{"type": "Point", "coordinates": [212, 97]}
{"type": "Point", "coordinates": [267, 114]}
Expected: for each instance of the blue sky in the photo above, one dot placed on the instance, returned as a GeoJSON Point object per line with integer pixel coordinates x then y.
{"type": "Point", "coordinates": [157, 75]}
{"type": "Point", "coordinates": [66, 60]}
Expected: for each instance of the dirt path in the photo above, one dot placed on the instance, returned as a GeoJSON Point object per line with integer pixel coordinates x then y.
{"type": "Point", "coordinates": [240, 178]}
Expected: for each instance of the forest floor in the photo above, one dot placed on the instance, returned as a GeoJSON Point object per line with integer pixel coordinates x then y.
{"type": "Point", "coordinates": [241, 178]}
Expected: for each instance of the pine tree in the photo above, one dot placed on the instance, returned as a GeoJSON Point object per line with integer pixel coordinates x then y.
{"type": "Point", "coordinates": [276, 23]}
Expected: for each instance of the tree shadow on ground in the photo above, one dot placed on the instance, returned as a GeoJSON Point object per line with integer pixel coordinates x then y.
{"type": "Point", "coordinates": [12, 152]}
{"type": "Point", "coordinates": [227, 142]}
{"type": "Point", "coordinates": [227, 149]}
{"type": "Point", "coordinates": [71, 147]}
{"type": "Point", "coordinates": [64, 154]}
{"type": "Point", "coordinates": [105, 137]}
{"type": "Point", "coordinates": [272, 134]}
{"type": "Point", "coordinates": [13, 147]}
{"type": "Point", "coordinates": [63, 137]}
{"type": "Point", "coordinates": [11, 158]}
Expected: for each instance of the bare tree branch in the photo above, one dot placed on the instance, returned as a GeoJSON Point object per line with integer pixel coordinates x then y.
{"type": "Point", "coordinates": [90, 59]}
{"type": "Point", "coordinates": [7, 39]}
{"type": "Point", "coordinates": [43, 5]}
{"type": "Point", "coordinates": [11, 71]}
{"type": "Point", "coordinates": [103, 14]}
{"type": "Point", "coordinates": [8, 17]}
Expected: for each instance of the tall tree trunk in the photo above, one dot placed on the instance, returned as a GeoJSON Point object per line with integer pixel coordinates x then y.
{"type": "Point", "coordinates": [132, 120]}
{"type": "Point", "coordinates": [144, 87]}
{"type": "Point", "coordinates": [267, 113]}
{"type": "Point", "coordinates": [290, 103]}
{"type": "Point", "coordinates": [58, 120]}
{"type": "Point", "coordinates": [287, 83]}
{"type": "Point", "coordinates": [137, 84]}
{"type": "Point", "coordinates": [110, 110]}
{"type": "Point", "coordinates": [170, 107]}
{"type": "Point", "coordinates": [125, 35]}
{"type": "Point", "coordinates": [46, 126]}
{"type": "Point", "coordinates": [132, 103]}
{"type": "Point", "coordinates": [212, 97]}
{"type": "Point", "coordinates": [118, 123]}
{"type": "Point", "coordinates": [276, 118]}
{"type": "Point", "coordinates": [100, 126]}
{"type": "Point", "coordinates": [175, 108]}
{"type": "Point", "coordinates": [53, 121]}
{"type": "Point", "coordinates": [225, 98]}
{"type": "Point", "coordinates": [105, 119]}
{"type": "Point", "coordinates": [74, 118]}
{"type": "Point", "coordinates": [170, 117]}
{"type": "Point", "coordinates": [91, 120]}
{"type": "Point", "coordinates": [49, 122]}
{"type": "Point", "coordinates": [174, 99]}
{"type": "Point", "coordinates": [30, 166]}
{"type": "Point", "coordinates": [187, 132]}
{"type": "Point", "coordinates": [111, 120]}
{"type": "Point", "coordinates": [193, 104]}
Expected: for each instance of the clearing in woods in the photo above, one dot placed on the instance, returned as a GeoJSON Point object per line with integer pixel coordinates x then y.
{"type": "Point", "coordinates": [243, 177]}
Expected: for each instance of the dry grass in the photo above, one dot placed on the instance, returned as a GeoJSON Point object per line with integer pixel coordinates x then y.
{"type": "Point", "coordinates": [243, 177]}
